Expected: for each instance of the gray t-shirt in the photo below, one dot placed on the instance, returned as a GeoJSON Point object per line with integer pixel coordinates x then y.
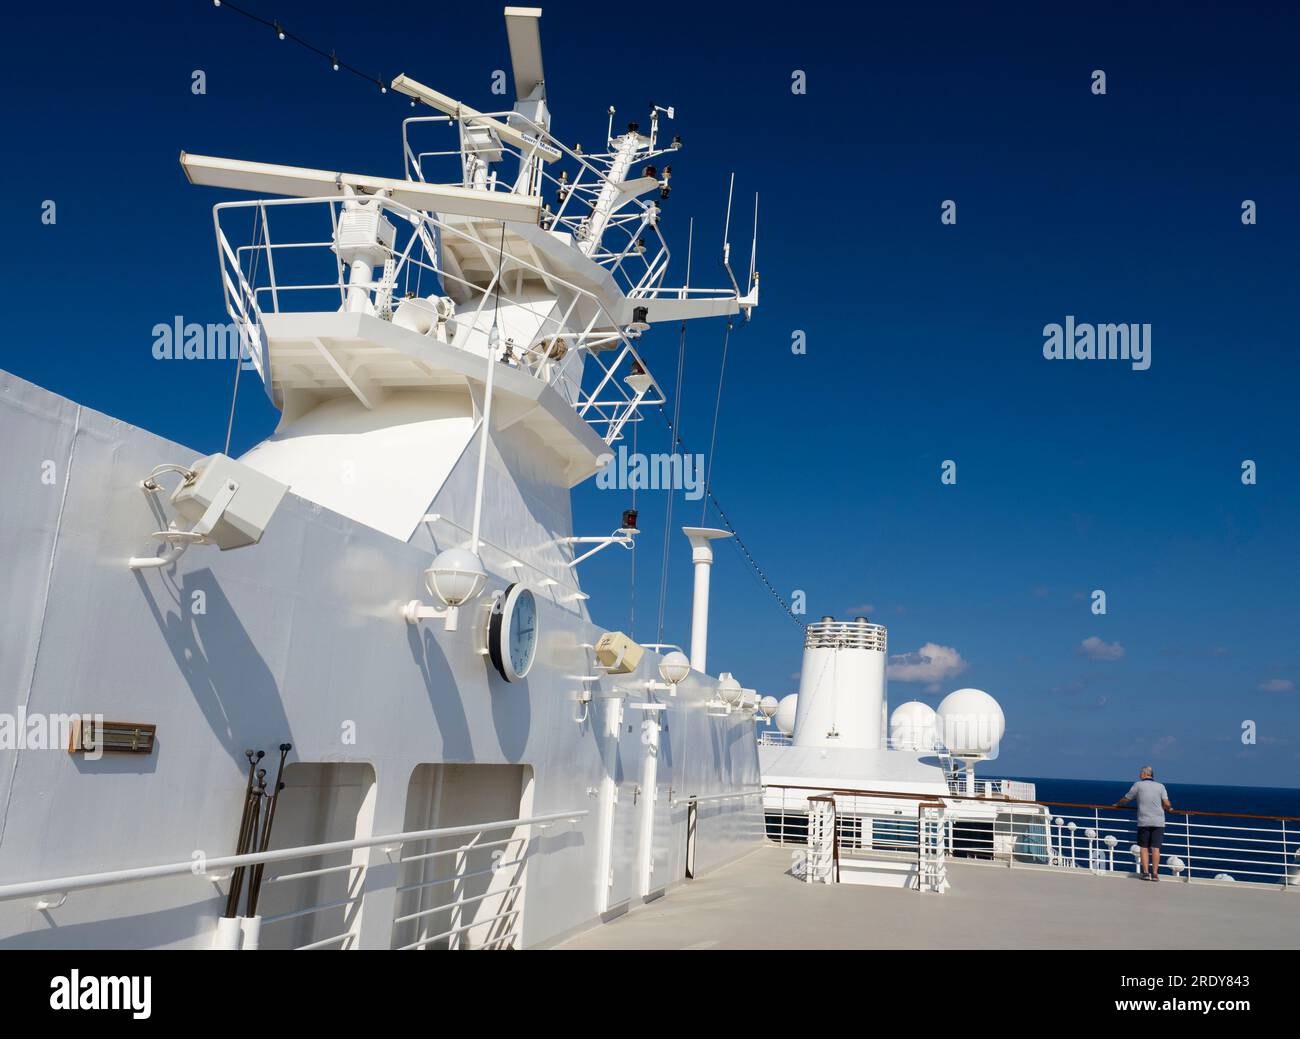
{"type": "Point", "coordinates": [1149, 796]}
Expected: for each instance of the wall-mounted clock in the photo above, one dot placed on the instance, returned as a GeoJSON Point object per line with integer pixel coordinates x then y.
{"type": "Point", "coordinates": [512, 633]}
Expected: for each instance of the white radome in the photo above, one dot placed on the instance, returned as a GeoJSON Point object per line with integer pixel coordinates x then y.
{"type": "Point", "coordinates": [768, 706]}
{"type": "Point", "coordinates": [785, 712]}
{"type": "Point", "coordinates": [970, 723]}
{"type": "Point", "coordinates": [912, 726]}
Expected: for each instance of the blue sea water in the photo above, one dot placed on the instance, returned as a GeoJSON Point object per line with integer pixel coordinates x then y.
{"type": "Point", "coordinates": [1248, 800]}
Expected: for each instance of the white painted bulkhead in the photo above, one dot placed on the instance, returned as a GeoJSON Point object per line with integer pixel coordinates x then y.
{"type": "Point", "coordinates": [299, 638]}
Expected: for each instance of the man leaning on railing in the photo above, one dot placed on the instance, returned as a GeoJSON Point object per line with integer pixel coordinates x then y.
{"type": "Point", "coordinates": [1152, 803]}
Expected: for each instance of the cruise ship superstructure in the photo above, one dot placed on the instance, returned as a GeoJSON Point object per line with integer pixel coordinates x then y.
{"type": "Point", "coordinates": [383, 597]}
{"type": "Point", "coordinates": [345, 691]}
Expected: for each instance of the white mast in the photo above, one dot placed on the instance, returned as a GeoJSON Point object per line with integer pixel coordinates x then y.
{"type": "Point", "coordinates": [625, 153]}
{"type": "Point", "coordinates": [702, 557]}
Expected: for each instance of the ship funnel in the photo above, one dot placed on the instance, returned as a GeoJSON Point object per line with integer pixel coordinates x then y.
{"type": "Point", "coordinates": [842, 685]}
{"type": "Point", "coordinates": [702, 557]}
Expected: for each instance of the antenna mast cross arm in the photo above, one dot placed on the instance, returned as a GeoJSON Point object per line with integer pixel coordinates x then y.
{"type": "Point", "coordinates": [301, 182]}
{"type": "Point", "coordinates": [450, 106]}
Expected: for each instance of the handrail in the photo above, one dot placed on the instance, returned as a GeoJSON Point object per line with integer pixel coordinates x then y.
{"type": "Point", "coordinates": [63, 885]}
{"type": "Point", "coordinates": [719, 797]}
{"type": "Point", "coordinates": [1012, 800]}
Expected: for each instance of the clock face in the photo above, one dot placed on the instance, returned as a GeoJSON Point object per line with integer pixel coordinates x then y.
{"type": "Point", "coordinates": [512, 633]}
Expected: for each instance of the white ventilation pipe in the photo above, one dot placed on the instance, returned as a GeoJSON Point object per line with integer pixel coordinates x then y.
{"type": "Point", "coordinates": [702, 557]}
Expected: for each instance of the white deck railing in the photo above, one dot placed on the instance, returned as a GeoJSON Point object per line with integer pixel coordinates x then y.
{"type": "Point", "coordinates": [52, 893]}
{"type": "Point", "coordinates": [1014, 789]}
{"type": "Point", "coordinates": [1203, 846]}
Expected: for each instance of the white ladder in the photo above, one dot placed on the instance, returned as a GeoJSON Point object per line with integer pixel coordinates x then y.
{"type": "Point", "coordinates": [820, 866]}
{"type": "Point", "coordinates": [932, 861]}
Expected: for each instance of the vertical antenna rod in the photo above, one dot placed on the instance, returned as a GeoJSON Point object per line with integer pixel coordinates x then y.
{"type": "Point", "coordinates": [753, 248]}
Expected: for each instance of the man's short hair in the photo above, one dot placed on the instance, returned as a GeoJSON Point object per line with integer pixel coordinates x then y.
{"type": "Point", "coordinates": [1147, 770]}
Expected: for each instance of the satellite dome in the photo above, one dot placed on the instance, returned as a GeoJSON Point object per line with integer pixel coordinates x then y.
{"type": "Point", "coordinates": [729, 689]}
{"type": "Point", "coordinates": [912, 726]}
{"type": "Point", "coordinates": [768, 706]}
{"type": "Point", "coordinates": [970, 723]}
{"type": "Point", "coordinates": [785, 713]}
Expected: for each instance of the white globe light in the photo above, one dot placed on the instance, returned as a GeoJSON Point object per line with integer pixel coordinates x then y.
{"type": "Point", "coordinates": [912, 726]}
{"type": "Point", "coordinates": [971, 723]}
{"type": "Point", "coordinates": [768, 706]}
{"type": "Point", "coordinates": [785, 713]}
{"type": "Point", "coordinates": [1110, 840]}
{"type": "Point", "coordinates": [729, 689]}
{"type": "Point", "coordinates": [455, 577]}
{"type": "Point", "coordinates": [674, 667]}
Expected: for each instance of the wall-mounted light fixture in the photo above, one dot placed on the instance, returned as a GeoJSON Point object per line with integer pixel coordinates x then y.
{"type": "Point", "coordinates": [455, 578]}
{"type": "Point", "coordinates": [674, 667]}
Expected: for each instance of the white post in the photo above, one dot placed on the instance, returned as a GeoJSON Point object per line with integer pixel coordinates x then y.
{"type": "Point", "coordinates": [649, 783]}
{"type": "Point", "coordinates": [702, 557]}
{"type": "Point", "coordinates": [608, 794]}
{"type": "Point", "coordinates": [494, 342]}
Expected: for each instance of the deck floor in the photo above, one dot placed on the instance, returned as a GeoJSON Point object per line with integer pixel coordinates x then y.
{"type": "Point", "coordinates": [754, 903]}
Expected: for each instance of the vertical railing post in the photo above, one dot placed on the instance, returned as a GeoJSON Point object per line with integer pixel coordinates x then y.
{"type": "Point", "coordinates": [457, 893]}
{"type": "Point", "coordinates": [1187, 829]}
{"type": "Point", "coordinates": [1286, 877]}
{"type": "Point", "coordinates": [1094, 853]}
{"type": "Point", "coordinates": [270, 260]}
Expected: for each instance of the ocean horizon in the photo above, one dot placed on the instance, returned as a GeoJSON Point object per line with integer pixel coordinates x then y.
{"type": "Point", "coordinates": [1194, 797]}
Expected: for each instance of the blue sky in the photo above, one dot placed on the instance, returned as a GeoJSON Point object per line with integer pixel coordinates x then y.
{"type": "Point", "coordinates": [924, 340]}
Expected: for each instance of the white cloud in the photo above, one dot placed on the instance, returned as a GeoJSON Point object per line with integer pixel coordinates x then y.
{"type": "Point", "coordinates": [864, 609]}
{"type": "Point", "coordinates": [1099, 649]}
{"type": "Point", "coordinates": [1165, 746]}
{"type": "Point", "coordinates": [930, 663]}
{"type": "Point", "coordinates": [1277, 685]}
